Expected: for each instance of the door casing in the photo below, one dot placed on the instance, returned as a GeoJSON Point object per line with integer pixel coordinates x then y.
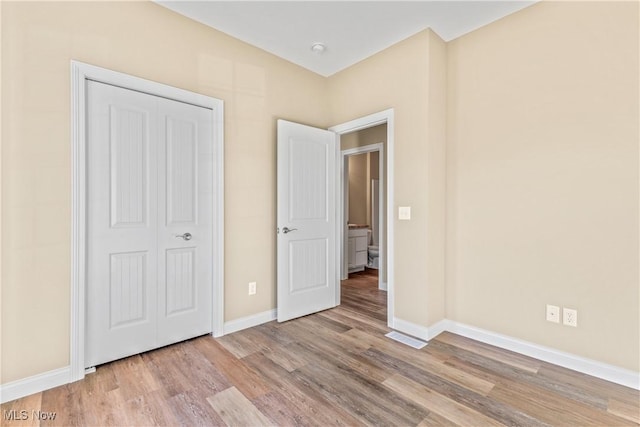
{"type": "Point", "coordinates": [80, 73]}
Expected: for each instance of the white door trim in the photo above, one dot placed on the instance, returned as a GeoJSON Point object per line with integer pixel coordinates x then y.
{"type": "Point", "coordinates": [80, 73]}
{"type": "Point", "coordinates": [382, 117]}
{"type": "Point", "coordinates": [371, 148]}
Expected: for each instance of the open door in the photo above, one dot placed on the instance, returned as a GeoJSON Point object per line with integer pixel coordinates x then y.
{"type": "Point", "coordinates": [306, 220]}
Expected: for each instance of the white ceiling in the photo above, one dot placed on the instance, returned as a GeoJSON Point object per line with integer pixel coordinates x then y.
{"type": "Point", "coordinates": [351, 30]}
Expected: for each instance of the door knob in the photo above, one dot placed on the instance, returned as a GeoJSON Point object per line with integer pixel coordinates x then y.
{"type": "Point", "coordinates": [286, 230]}
{"type": "Point", "coordinates": [185, 236]}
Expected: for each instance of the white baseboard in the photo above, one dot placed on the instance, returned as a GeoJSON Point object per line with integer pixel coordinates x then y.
{"type": "Point", "coordinates": [438, 328]}
{"type": "Point", "coordinates": [411, 328]}
{"type": "Point", "coordinates": [591, 367]}
{"type": "Point", "coordinates": [249, 321]}
{"type": "Point", "coordinates": [34, 384]}
{"type": "Point", "coordinates": [383, 286]}
{"type": "Point", "coordinates": [419, 331]}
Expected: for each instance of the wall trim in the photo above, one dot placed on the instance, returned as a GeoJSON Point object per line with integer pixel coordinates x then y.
{"type": "Point", "coordinates": [34, 384]}
{"type": "Point", "coordinates": [591, 367]}
{"type": "Point", "coordinates": [419, 331]}
{"type": "Point", "coordinates": [438, 328]}
{"type": "Point", "coordinates": [411, 328]}
{"type": "Point", "coordinates": [249, 321]}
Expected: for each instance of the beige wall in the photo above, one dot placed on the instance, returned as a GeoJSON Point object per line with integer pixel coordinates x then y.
{"type": "Point", "coordinates": [364, 137]}
{"type": "Point", "coordinates": [362, 169]}
{"type": "Point", "coordinates": [373, 170]}
{"type": "Point", "coordinates": [374, 165]}
{"type": "Point", "coordinates": [149, 41]}
{"type": "Point", "coordinates": [543, 177]}
{"type": "Point", "coordinates": [358, 177]}
{"type": "Point", "coordinates": [435, 166]}
{"type": "Point", "coordinates": [399, 78]}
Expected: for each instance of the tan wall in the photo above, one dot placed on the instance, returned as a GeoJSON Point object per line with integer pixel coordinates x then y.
{"type": "Point", "coordinates": [398, 78]}
{"type": "Point", "coordinates": [149, 41]}
{"type": "Point", "coordinates": [362, 169]}
{"type": "Point", "coordinates": [358, 177]}
{"type": "Point", "coordinates": [543, 177]}
{"type": "Point", "coordinates": [436, 178]}
{"type": "Point", "coordinates": [364, 137]}
{"type": "Point", "coordinates": [374, 165]}
{"type": "Point", "coordinates": [373, 170]}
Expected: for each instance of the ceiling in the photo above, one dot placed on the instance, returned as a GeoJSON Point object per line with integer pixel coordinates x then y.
{"type": "Point", "coordinates": [350, 30]}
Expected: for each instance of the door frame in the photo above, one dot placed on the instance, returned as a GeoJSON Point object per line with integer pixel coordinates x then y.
{"type": "Point", "coordinates": [80, 73]}
{"type": "Point", "coordinates": [375, 119]}
{"type": "Point", "coordinates": [382, 217]}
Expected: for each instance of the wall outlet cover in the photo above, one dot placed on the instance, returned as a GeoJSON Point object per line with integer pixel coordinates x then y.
{"type": "Point", "coordinates": [570, 317]}
{"type": "Point", "coordinates": [553, 313]}
{"type": "Point", "coordinates": [252, 288]}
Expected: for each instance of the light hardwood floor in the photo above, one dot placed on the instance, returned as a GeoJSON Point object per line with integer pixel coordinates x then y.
{"type": "Point", "coordinates": [332, 368]}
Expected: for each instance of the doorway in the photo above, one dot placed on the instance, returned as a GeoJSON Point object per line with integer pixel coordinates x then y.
{"type": "Point", "coordinates": [387, 231]}
{"type": "Point", "coordinates": [364, 203]}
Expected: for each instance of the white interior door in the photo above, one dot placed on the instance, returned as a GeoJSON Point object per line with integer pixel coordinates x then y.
{"type": "Point", "coordinates": [149, 178]}
{"type": "Point", "coordinates": [307, 228]}
{"type": "Point", "coordinates": [185, 222]}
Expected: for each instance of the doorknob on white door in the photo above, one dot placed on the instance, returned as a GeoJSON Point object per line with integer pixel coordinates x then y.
{"type": "Point", "coordinates": [286, 230]}
{"type": "Point", "coordinates": [185, 236]}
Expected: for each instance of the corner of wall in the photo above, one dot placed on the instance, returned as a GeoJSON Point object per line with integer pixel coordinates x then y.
{"type": "Point", "coordinates": [436, 179]}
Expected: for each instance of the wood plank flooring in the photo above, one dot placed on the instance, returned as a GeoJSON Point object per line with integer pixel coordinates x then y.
{"type": "Point", "coordinates": [331, 368]}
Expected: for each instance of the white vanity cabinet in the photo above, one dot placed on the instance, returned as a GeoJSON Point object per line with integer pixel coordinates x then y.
{"type": "Point", "coordinates": [357, 249]}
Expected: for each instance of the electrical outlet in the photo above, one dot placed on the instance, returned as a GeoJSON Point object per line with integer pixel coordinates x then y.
{"type": "Point", "coordinates": [553, 313]}
{"type": "Point", "coordinates": [252, 288]}
{"type": "Point", "coordinates": [570, 317]}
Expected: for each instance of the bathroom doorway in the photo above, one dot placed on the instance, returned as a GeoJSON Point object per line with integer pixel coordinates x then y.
{"type": "Point", "coordinates": [364, 202]}
{"type": "Point", "coordinates": [386, 261]}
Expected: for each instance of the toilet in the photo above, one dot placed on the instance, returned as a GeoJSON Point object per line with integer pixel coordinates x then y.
{"type": "Point", "coordinates": [373, 252]}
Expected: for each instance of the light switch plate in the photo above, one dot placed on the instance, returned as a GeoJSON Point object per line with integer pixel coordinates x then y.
{"type": "Point", "coordinates": [404, 212]}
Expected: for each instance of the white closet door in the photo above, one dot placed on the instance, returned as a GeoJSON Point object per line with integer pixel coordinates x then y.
{"type": "Point", "coordinates": [149, 180]}
{"type": "Point", "coordinates": [185, 198]}
{"type": "Point", "coordinates": [122, 221]}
